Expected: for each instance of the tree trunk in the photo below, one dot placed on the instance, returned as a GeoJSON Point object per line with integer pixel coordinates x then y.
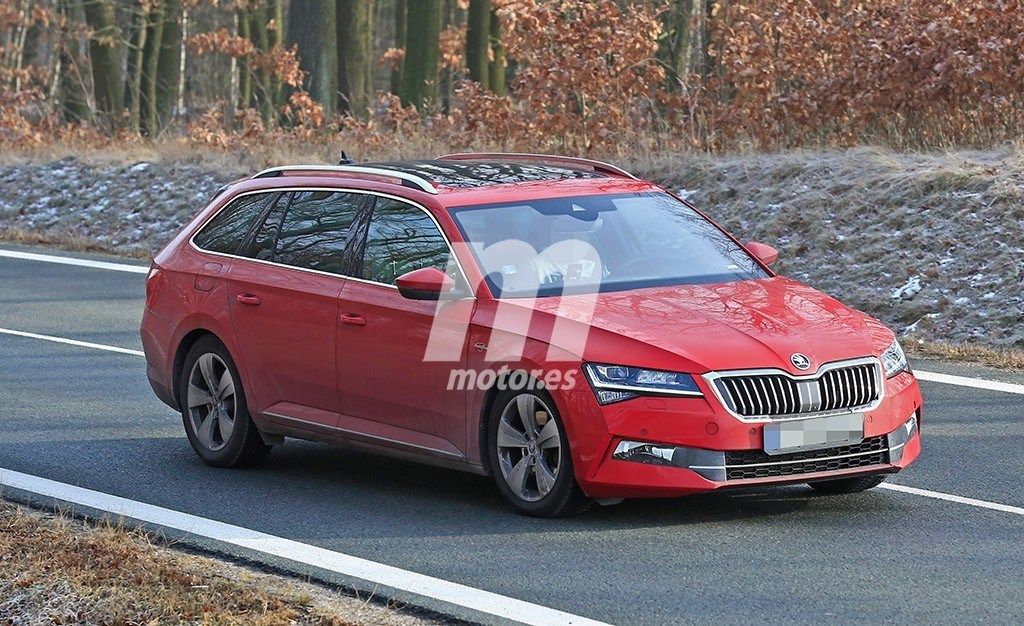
{"type": "Point", "coordinates": [258, 19]}
{"type": "Point", "coordinates": [675, 51]}
{"type": "Point", "coordinates": [419, 72]}
{"type": "Point", "coordinates": [275, 37]}
{"type": "Point", "coordinates": [496, 71]}
{"type": "Point", "coordinates": [396, 73]}
{"type": "Point", "coordinates": [478, 40]}
{"type": "Point", "coordinates": [245, 74]}
{"type": "Point", "coordinates": [450, 16]}
{"type": "Point", "coordinates": [105, 56]}
{"type": "Point", "coordinates": [133, 87]}
{"type": "Point", "coordinates": [311, 26]}
{"type": "Point", "coordinates": [355, 55]}
{"type": "Point", "coordinates": [169, 61]}
{"type": "Point", "coordinates": [150, 118]}
{"type": "Point", "coordinates": [70, 82]}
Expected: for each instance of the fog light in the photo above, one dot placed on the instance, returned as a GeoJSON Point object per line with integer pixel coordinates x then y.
{"type": "Point", "coordinates": [644, 453]}
{"type": "Point", "coordinates": [911, 425]}
{"type": "Point", "coordinates": [708, 463]}
{"type": "Point", "coordinates": [898, 438]}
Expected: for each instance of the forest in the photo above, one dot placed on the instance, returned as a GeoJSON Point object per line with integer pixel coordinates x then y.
{"type": "Point", "coordinates": [582, 76]}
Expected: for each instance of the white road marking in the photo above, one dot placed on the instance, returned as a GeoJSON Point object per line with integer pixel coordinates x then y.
{"type": "Point", "coordinates": [938, 495]}
{"type": "Point", "coordinates": [963, 381]}
{"type": "Point", "coordinates": [67, 260]}
{"type": "Point", "coordinates": [301, 553]}
{"type": "Point", "coordinates": [72, 342]}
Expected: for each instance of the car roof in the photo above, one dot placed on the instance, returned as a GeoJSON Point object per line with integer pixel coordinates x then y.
{"type": "Point", "coordinates": [469, 178]}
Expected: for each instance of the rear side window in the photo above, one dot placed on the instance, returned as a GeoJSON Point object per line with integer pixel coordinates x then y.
{"type": "Point", "coordinates": [317, 230]}
{"type": "Point", "coordinates": [265, 237]}
{"type": "Point", "coordinates": [228, 229]}
{"type": "Point", "coordinates": [401, 238]}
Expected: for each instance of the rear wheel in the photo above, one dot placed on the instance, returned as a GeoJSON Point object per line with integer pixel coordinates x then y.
{"type": "Point", "coordinates": [213, 408]}
{"type": "Point", "coordinates": [848, 485]}
{"type": "Point", "coordinates": [530, 456]}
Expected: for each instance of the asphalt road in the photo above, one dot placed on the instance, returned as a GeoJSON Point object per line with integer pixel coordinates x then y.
{"type": "Point", "coordinates": [88, 418]}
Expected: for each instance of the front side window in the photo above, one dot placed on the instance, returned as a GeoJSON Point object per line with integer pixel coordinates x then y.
{"type": "Point", "coordinates": [599, 243]}
{"type": "Point", "coordinates": [228, 229]}
{"type": "Point", "coordinates": [317, 229]}
{"type": "Point", "coordinates": [401, 238]}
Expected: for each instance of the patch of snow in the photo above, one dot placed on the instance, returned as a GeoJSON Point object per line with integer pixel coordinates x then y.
{"type": "Point", "coordinates": [909, 288]}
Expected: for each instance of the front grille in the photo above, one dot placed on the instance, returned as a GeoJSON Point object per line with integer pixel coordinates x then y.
{"type": "Point", "coordinates": [758, 464]}
{"type": "Point", "coordinates": [765, 395]}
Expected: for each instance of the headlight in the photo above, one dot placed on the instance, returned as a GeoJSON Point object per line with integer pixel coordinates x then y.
{"type": "Point", "coordinates": [894, 360]}
{"type": "Point", "coordinates": [614, 383]}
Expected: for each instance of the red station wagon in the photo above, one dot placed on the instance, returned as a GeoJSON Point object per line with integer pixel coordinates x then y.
{"type": "Point", "coordinates": [553, 322]}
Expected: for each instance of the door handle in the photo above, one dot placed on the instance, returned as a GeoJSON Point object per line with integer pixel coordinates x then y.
{"type": "Point", "coordinates": [353, 318]}
{"type": "Point", "coordinates": [248, 299]}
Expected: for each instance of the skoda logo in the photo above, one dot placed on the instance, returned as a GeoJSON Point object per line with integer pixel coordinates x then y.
{"type": "Point", "coordinates": [800, 361]}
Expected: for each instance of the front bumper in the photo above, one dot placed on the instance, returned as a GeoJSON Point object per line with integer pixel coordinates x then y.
{"type": "Point", "coordinates": [696, 448]}
{"type": "Point", "coordinates": [721, 466]}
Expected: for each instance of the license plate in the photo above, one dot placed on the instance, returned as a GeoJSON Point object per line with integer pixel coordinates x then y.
{"type": "Point", "coordinates": [813, 433]}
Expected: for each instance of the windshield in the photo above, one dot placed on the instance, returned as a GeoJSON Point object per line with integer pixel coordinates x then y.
{"type": "Point", "coordinates": [599, 243]}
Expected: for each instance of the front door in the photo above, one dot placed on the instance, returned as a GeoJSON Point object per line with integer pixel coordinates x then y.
{"type": "Point", "coordinates": [387, 389]}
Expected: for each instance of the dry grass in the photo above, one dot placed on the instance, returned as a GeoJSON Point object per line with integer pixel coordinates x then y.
{"type": "Point", "coordinates": [64, 241]}
{"type": "Point", "coordinates": [237, 161]}
{"type": "Point", "coordinates": [1005, 358]}
{"type": "Point", "coordinates": [56, 570]}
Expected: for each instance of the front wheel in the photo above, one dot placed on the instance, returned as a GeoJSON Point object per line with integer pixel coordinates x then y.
{"type": "Point", "coordinates": [213, 408]}
{"type": "Point", "coordinates": [530, 457]}
{"type": "Point", "coordinates": [847, 485]}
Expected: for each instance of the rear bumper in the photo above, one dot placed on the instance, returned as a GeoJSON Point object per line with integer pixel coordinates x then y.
{"type": "Point", "coordinates": [156, 336]}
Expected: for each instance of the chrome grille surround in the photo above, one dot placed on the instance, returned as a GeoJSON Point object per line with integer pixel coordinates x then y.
{"type": "Point", "coordinates": [765, 395]}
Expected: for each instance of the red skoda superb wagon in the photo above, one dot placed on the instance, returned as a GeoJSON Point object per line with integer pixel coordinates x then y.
{"type": "Point", "coordinates": [574, 332]}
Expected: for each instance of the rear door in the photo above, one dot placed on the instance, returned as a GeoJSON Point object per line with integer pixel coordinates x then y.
{"type": "Point", "coordinates": [284, 304]}
{"type": "Point", "coordinates": [387, 389]}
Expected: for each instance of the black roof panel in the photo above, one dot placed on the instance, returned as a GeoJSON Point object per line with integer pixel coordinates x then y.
{"type": "Point", "coordinates": [469, 174]}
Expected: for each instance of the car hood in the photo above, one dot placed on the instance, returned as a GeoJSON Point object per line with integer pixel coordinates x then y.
{"type": "Point", "coordinates": [737, 325]}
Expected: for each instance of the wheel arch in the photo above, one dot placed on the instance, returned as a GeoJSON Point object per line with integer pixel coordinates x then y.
{"type": "Point", "coordinates": [181, 353]}
{"type": "Point", "coordinates": [504, 373]}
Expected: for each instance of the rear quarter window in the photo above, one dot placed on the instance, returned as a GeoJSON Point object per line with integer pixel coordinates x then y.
{"type": "Point", "coordinates": [226, 232]}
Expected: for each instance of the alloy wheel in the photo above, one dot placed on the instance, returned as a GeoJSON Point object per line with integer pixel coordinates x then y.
{"type": "Point", "coordinates": [529, 447]}
{"type": "Point", "coordinates": [211, 401]}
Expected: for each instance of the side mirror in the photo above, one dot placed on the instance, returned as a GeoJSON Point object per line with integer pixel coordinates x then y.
{"type": "Point", "coordinates": [764, 253]}
{"type": "Point", "coordinates": [426, 283]}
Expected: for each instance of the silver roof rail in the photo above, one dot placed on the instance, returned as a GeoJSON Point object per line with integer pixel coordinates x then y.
{"type": "Point", "coordinates": [405, 179]}
{"type": "Point", "coordinates": [588, 164]}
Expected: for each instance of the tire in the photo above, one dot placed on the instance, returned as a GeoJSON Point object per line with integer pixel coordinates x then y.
{"type": "Point", "coordinates": [235, 442]}
{"type": "Point", "coordinates": [848, 485]}
{"type": "Point", "coordinates": [524, 465]}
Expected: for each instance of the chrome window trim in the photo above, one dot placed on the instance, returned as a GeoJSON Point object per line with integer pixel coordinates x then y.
{"type": "Point", "coordinates": [712, 377]}
{"type": "Point", "coordinates": [451, 250]}
{"type": "Point", "coordinates": [421, 183]}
